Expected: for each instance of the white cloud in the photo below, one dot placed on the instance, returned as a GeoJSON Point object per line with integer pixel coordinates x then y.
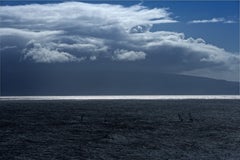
{"type": "Point", "coordinates": [80, 29]}
{"type": "Point", "coordinates": [93, 58]}
{"type": "Point", "coordinates": [170, 44]}
{"type": "Point", "coordinates": [213, 20]}
{"type": "Point", "coordinates": [230, 21]}
{"type": "Point", "coordinates": [40, 54]}
{"type": "Point", "coordinates": [7, 48]}
{"type": "Point", "coordinates": [84, 14]}
{"type": "Point", "coordinates": [76, 31]}
{"type": "Point", "coordinates": [26, 33]}
{"type": "Point", "coordinates": [126, 55]}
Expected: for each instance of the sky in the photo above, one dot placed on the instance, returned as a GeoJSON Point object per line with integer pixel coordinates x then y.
{"type": "Point", "coordinates": [180, 38]}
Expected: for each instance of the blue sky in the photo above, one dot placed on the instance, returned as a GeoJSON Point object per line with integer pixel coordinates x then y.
{"type": "Point", "coordinates": [180, 38]}
{"type": "Point", "coordinates": [187, 11]}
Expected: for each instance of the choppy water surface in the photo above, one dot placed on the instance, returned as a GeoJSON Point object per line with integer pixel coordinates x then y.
{"type": "Point", "coordinates": [120, 129]}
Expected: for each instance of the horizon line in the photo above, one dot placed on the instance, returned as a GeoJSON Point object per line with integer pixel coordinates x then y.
{"type": "Point", "coordinates": [123, 97]}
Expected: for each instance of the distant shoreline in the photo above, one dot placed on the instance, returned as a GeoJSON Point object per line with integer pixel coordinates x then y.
{"type": "Point", "coordinates": [122, 97]}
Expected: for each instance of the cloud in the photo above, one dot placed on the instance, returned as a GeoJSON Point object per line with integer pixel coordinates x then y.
{"type": "Point", "coordinates": [93, 58]}
{"type": "Point", "coordinates": [79, 29]}
{"type": "Point", "coordinates": [213, 20]}
{"type": "Point", "coordinates": [128, 55]}
{"type": "Point", "coordinates": [40, 54]}
{"type": "Point", "coordinates": [83, 14]}
{"type": "Point", "coordinates": [230, 21]}
{"type": "Point", "coordinates": [7, 48]}
{"type": "Point", "coordinates": [27, 33]}
{"type": "Point", "coordinates": [76, 31]}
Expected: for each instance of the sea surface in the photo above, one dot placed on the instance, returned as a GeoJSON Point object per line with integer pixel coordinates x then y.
{"type": "Point", "coordinates": [120, 127]}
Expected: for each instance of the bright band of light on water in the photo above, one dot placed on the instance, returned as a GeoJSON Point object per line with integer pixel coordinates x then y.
{"type": "Point", "coordinates": [122, 97]}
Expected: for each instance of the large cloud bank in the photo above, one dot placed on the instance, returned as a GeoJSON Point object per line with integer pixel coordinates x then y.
{"type": "Point", "coordinates": [76, 32]}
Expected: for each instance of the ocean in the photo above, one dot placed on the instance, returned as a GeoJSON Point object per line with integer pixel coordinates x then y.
{"type": "Point", "coordinates": [120, 127]}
